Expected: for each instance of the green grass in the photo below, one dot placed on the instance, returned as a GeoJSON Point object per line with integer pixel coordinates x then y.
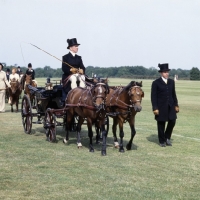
{"type": "Point", "coordinates": [32, 168]}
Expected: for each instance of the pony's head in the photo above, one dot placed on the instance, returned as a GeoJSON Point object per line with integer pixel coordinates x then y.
{"type": "Point", "coordinates": [14, 85]}
{"type": "Point", "coordinates": [136, 94]}
{"type": "Point", "coordinates": [99, 92]}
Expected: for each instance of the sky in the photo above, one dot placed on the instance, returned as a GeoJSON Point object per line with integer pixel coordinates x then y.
{"type": "Point", "coordinates": [112, 33]}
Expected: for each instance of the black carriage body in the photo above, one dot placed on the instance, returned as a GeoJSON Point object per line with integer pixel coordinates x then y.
{"type": "Point", "coordinates": [47, 98]}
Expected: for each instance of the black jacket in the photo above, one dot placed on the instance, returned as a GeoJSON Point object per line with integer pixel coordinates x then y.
{"type": "Point", "coordinates": [19, 72]}
{"type": "Point", "coordinates": [32, 73]}
{"type": "Point", "coordinates": [163, 98]}
{"type": "Point", "coordinates": [74, 61]}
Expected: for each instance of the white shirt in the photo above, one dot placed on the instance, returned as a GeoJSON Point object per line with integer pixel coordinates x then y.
{"type": "Point", "coordinates": [16, 76]}
{"type": "Point", "coordinates": [73, 54]}
{"type": "Point", "coordinates": [164, 79]}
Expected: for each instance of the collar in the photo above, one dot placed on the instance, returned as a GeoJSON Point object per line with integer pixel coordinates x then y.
{"type": "Point", "coordinates": [164, 79]}
{"type": "Point", "coordinates": [73, 54]}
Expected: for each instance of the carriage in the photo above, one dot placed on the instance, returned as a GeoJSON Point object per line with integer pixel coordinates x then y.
{"type": "Point", "coordinates": [120, 103]}
{"type": "Point", "coordinates": [45, 107]}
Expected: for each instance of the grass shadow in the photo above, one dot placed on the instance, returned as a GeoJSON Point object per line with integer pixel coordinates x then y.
{"type": "Point", "coordinates": [153, 138]}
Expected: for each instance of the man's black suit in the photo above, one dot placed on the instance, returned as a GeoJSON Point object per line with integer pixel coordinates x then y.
{"type": "Point", "coordinates": [74, 61]}
{"type": "Point", "coordinates": [163, 98]}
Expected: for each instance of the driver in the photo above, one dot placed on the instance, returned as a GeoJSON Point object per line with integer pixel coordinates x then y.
{"type": "Point", "coordinates": [76, 72]}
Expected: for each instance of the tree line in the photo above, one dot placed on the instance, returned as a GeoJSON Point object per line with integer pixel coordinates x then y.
{"type": "Point", "coordinates": [137, 72]}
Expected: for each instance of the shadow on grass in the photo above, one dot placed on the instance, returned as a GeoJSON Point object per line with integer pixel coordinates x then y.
{"type": "Point", "coordinates": [153, 138]}
{"type": "Point", "coordinates": [61, 134]}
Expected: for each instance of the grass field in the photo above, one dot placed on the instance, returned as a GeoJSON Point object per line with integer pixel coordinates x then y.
{"type": "Point", "coordinates": [32, 168]}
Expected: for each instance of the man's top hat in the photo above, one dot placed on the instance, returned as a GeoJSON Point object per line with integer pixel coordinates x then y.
{"type": "Point", "coordinates": [163, 67]}
{"type": "Point", "coordinates": [18, 67]}
{"type": "Point", "coordinates": [72, 42]}
{"type": "Point", "coordinates": [29, 65]}
{"type": "Point", "coordinates": [7, 70]}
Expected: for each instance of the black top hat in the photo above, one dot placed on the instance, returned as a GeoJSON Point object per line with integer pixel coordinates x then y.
{"type": "Point", "coordinates": [18, 67]}
{"type": "Point", "coordinates": [72, 42]}
{"type": "Point", "coordinates": [7, 70]}
{"type": "Point", "coordinates": [29, 65]}
{"type": "Point", "coordinates": [163, 67]}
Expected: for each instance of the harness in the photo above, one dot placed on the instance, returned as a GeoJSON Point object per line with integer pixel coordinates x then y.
{"type": "Point", "coordinates": [117, 102]}
{"type": "Point", "coordinates": [87, 93]}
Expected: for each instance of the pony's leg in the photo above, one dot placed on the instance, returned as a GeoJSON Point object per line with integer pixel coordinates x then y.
{"type": "Point", "coordinates": [11, 107]}
{"type": "Point", "coordinates": [68, 119]}
{"type": "Point", "coordinates": [121, 134]}
{"type": "Point", "coordinates": [104, 136]}
{"type": "Point", "coordinates": [80, 122]}
{"type": "Point", "coordinates": [133, 132]}
{"type": "Point", "coordinates": [114, 129]}
{"type": "Point", "coordinates": [98, 133]}
{"type": "Point", "coordinates": [17, 102]}
{"type": "Point", "coordinates": [90, 134]}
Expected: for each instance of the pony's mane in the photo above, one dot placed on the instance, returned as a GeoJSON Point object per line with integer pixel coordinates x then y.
{"type": "Point", "coordinates": [131, 84]}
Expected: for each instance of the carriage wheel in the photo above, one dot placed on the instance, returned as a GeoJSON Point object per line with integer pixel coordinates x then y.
{"type": "Point", "coordinates": [50, 125]}
{"type": "Point", "coordinates": [26, 113]}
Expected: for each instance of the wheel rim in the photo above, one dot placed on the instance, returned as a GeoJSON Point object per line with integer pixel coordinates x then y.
{"type": "Point", "coordinates": [26, 113]}
{"type": "Point", "coordinates": [50, 126]}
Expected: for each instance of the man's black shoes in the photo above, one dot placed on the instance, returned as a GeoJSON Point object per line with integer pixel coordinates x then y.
{"type": "Point", "coordinates": [168, 142]}
{"type": "Point", "coordinates": [162, 145]}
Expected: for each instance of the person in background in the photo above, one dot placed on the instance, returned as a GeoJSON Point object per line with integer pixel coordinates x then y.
{"type": "Point", "coordinates": [76, 72]}
{"type": "Point", "coordinates": [31, 72]}
{"type": "Point", "coordinates": [19, 71]}
{"type": "Point", "coordinates": [14, 75]}
{"type": "Point", "coordinates": [164, 104]}
{"type": "Point", "coordinates": [3, 83]}
{"type": "Point", "coordinates": [8, 73]}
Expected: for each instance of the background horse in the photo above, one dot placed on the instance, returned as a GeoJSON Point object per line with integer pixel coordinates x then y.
{"type": "Point", "coordinates": [122, 105]}
{"type": "Point", "coordinates": [25, 81]}
{"type": "Point", "coordinates": [14, 92]}
{"type": "Point", "coordinates": [87, 103]}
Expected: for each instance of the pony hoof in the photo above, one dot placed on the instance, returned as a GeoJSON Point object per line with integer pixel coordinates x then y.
{"type": "Point", "coordinates": [116, 144]}
{"type": "Point", "coordinates": [79, 145]}
{"type": "Point", "coordinates": [65, 141]}
{"type": "Point", "coordinates": [103, 153]}
{"type": "Point", "coordinates": [92, 150]}
{"type": "Point", "coordinates": [128, 147]}
{"type": "Point", "coordinates": [121, 150]}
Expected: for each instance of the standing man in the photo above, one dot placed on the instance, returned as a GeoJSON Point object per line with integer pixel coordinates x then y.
{"type": "Point", "coordinates": [74, 73]}
{"type": "Point", "coordinates": [164, 104]}
{"type": "Point", "coordinates": [8, 73]}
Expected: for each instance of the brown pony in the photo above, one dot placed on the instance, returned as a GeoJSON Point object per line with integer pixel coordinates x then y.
{"type": "Point", "coordinates": [122, 105]}
{"type": "Point", "coordinates": [14, 92]}
{"type": "Point", "coordinates": [25, 81]}
{"type": "Point", "coordinates": [87, 103]}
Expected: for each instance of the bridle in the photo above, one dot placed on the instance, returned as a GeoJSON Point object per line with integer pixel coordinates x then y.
{"type": "Point", "coordinates": [125, 105]}
{"type": "Point", "coordinates": [100, 94]}
{"type": "Point", "coordinates": [137, 93]}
